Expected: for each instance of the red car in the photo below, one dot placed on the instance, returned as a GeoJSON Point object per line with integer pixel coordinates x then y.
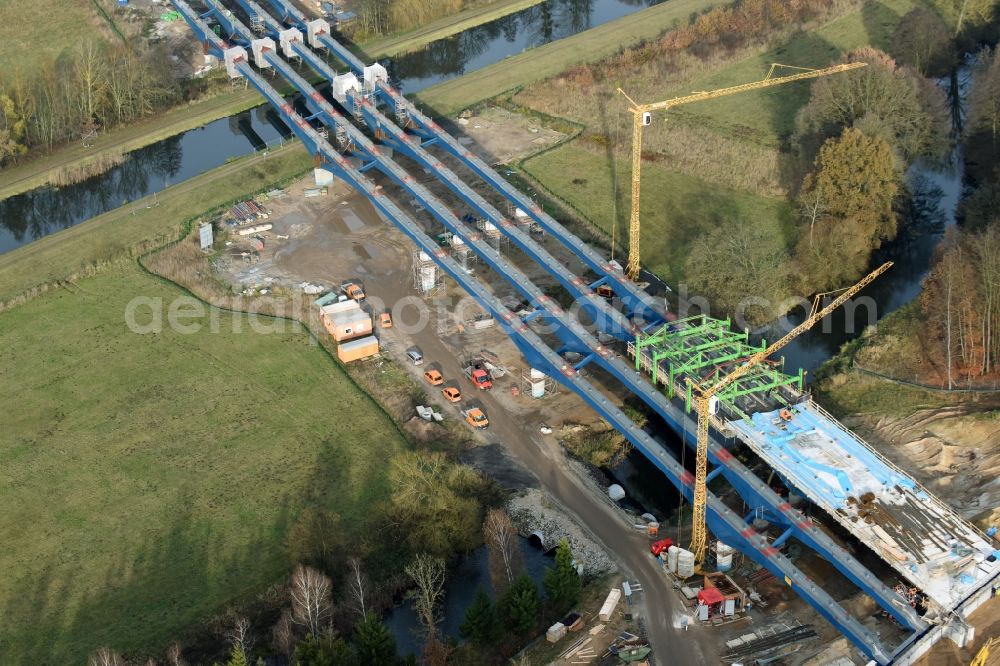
{"type": "Point", "coordinates": [658, 547]}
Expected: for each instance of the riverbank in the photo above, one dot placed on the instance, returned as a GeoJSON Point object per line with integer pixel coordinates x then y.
{"type": "Point", "coordinates": [45, 169]}
{"type": "Point", "coordinates": [536, 64]}
{"type": "Point", "coordinates": [138, 226]}
{"type": "Point", "coordinates": [390, 45]}
{"type": "Point", "coordinates": [529, 66]}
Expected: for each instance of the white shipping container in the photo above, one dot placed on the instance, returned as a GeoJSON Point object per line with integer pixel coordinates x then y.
{"type": "Point", "coordinates": [340, 306]}
{"type": "Point", "coordinates": [555, 632]}
{"type": "Point", "coordinates": [609, 604]}
{"type": "Point", "coordinates": [249, 231]}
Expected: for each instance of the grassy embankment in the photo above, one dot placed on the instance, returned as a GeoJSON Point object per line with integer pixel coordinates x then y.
{"type": "Point", "coordinates": [75, 158]}
{"type": "Point", "coordinates": [411, 40]}
{"type": "Point", "coordinates": [726, 151]}
{"type": "Point", "coordinates": [140, 225]}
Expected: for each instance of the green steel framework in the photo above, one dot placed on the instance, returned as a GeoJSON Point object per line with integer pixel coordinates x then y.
{"type": "Point", "coordinates": [692, 344]}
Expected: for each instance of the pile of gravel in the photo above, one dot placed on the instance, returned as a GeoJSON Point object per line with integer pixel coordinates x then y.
{"type": "Point", "coordinates": [535, 511]}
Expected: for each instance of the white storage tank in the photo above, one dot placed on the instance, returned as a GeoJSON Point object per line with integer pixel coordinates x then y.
{"type": "Point", "coordinates": [538, 386]}
{"type": "Point", "coordinates": [723, 556]}
{"type": "Point", "coordinates": [672, 558]}
{"type": "Point", "coordinates": [685, 564]}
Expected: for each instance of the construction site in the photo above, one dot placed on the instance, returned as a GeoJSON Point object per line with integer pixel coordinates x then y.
{"type": "Point", "coordinates": [805, 543]}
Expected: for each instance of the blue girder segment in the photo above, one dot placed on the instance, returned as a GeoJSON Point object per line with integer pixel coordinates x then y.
{"type": "Point", "coordinates": [637, 301]}
{"type": "Point", "coordinates": [607, 319]}
{"type": "Point", "coordinates": [724, 530]}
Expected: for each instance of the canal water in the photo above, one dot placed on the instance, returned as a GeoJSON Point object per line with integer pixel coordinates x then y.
{"type": "Point", "coordinates": [470, 573]}
{"type": "Point", "coordinates": [32, 215]}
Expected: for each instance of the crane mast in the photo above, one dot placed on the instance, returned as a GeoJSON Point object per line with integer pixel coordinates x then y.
{"type": "Point", "coordinates": [642, 116]}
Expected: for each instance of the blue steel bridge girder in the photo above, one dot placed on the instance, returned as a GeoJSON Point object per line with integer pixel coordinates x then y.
{"type": "Point", "coordinates": [309, 137]}
{"type": "Point", "coordinates": [607, 320]}
{"type": "Point", "coordinates": [572, 336]}
{"type": "Point", "coordinates": [639, 304]}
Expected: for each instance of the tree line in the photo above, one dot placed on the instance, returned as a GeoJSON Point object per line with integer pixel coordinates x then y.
{"type": "Point", "coordinates": [853, 141]}
{"type": "Point", "coordinates": [92, 85]}
{"type": "Point", "coordinates": [320, 623]}
{"type": "Point", "coordinates": [960, 300]}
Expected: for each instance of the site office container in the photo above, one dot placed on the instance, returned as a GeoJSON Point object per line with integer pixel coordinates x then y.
{"type": "Point", "coordinates": [357, 349]}
{"type": "Point", "coordinates": [346, 323]}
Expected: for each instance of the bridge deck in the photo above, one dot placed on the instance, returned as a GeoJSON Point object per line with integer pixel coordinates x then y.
{"type": "Point", "coordinates": [920, 536]}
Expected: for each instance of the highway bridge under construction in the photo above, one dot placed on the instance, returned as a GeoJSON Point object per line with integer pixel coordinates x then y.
{"type": "Point", "coordinates": [923, 540]}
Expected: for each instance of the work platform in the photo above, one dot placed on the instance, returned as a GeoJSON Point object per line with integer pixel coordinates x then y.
{"type": "Point", "coordinates": [921, 537]}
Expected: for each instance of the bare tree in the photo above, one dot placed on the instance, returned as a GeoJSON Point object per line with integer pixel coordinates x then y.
{"type": "Point", "coordinates": [358, 586]}
{"type": "Point", "coordinates": [240, 635]}
{"type": "Point", "coordinates": [427, 573]}
{"type": "Point", "coordinates": [310, 592]}
{"type": "Point", "coordinates": [105, 657]}
{"type": "Point", "coordinates": [282, 637]}
{"type": "Point", "coordinates": [174, 656]}
{"type": "Point", "coordinates": [812, 204]}
{"type": "Point", "coordinates": [505, 555]}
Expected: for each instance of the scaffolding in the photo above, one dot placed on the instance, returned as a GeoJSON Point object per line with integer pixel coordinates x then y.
{"type": "Point", "coordinates": [462, 253]}
{"type": "Point", "coordinates": [701, 349]}
{"type": "Point", "coordinates": [427, 279]}
{"type": "Point", "coordinates": [491, 233]}
{"type": "Point", "coordinates": [523, 220]}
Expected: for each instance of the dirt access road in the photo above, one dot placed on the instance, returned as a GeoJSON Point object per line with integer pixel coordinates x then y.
{"type": "Point", "coordinates": [629, 547]}
{"type": "Point", "coordinates": [340, 237]}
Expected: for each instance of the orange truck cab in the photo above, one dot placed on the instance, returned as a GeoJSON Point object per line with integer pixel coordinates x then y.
{"type": "Point", "coordinates": [353, 291]}
{"type": "Point", "coordinates": [476, 418]}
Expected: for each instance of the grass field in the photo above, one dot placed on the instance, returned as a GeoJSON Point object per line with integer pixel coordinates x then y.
{"type": "Point", "coordinates": [767, 114]}
{"type": "Point", "coordinates": [148, 480]}
{"type": "Point", "coordinates": [68, 252]}
{"type": "Point", "coordinates": [38, 31]}
{"type": "Point", "coordinates": [677, 208]}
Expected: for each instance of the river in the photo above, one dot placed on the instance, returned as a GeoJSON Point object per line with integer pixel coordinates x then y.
{"type": "Point", "coordinates": [471, 572]}
{"type": "Point", "coordinates": [32, 215]}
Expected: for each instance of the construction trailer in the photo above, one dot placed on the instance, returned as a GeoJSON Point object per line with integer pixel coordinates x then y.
{"type": "Point", "coordinates": [357, 349]}
{"type": "Point", "coordinates": [346, 320]}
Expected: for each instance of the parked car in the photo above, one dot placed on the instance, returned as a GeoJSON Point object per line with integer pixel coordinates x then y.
{"type": "Point", "coordinates": [434, 377]}
{"type": "Point", "coordinates": [451, 394]}
{"type": "Point", "coordinates": [415, 355]}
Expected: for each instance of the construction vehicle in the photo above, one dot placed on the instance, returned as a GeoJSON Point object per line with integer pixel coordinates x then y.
{"type": "Point", "coordinates": [658, 547]}
{"type": "Point", "coordinates": [451, 394]}
{"type": "Point", "coordinates": [476, 418]}
{"type": "Point", "coordinates": [642, 115]}
{"type": "Point", "coordinates": [434, 377]}
{"type": "Point", "coordinates": [479, 376]}
{"type": "Point", "coordinates": [707, 403]}
{"type": "Point", "coordinates": [353, 291]}
{"type": "Point", "coordinates": [982, 657]}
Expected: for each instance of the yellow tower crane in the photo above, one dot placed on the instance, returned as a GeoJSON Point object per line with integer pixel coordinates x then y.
{"type": "Point", "coordinates": [706, 403]}
{"type": "Point", "coordinates": [642, 116]}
